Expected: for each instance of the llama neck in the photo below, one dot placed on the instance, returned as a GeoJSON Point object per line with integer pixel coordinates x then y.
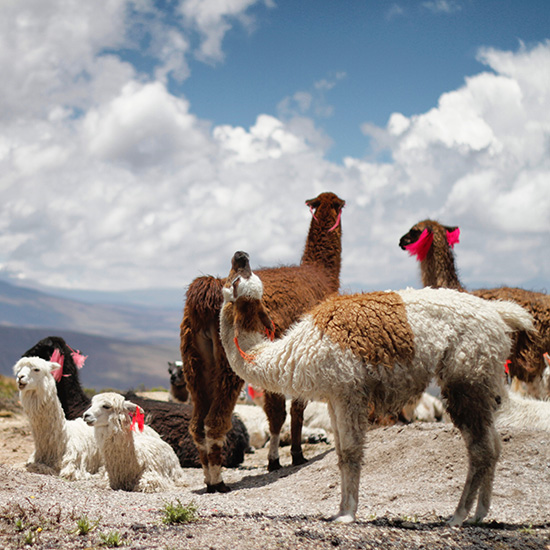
{"type": "Point", "coordinates": [48, 426]}
{"type": "Point", "coordinates": [256, 371]}
{"type": "Point", "coordinates": [119, 454]}
{"type": "Point", "coordinates": [438, 269]}
{"type": "Point", "coordinates": [323, 248]}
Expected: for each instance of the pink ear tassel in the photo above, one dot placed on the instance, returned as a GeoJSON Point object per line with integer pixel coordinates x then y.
{"type": "Point", "coordinates": [57, 357]}
{"type": "Point", "coordinates": [78, 358]}
{"type": "Point", "coordinates": [421, 246]}
{"type": "Point", "coordinates": [313, 213]}
{"type": "Point", "coordinates": [337, 221]}
{"type": "Point", "coordinates": [452, 237]}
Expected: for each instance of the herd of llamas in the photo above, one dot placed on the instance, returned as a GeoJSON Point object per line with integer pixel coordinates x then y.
{"type": "Point", "coordinates": [289, 331]}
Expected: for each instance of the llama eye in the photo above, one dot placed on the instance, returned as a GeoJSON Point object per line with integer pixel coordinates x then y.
{"type": "Point", "coordinates": [106, 407]}
{"type": "Point", "coordinates": [36, 370]}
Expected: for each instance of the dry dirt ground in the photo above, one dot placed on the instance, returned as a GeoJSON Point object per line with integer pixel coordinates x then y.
{"type": "Point", "coordinates": [411, 481]}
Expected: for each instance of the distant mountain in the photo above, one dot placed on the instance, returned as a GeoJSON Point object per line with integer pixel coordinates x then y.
{"type": "Point", "coordinates": [25, 307]}
{"type": "Point", "coordinates": [127, 346]}
{"type": "Point", "coordinates": [111, 363]}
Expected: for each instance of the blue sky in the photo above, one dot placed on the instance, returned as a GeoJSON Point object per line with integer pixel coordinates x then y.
{"type": "Point", "coordinates": [143, 142]}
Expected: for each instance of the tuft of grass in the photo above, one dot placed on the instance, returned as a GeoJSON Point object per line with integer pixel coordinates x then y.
{"type": "Point", "coordinates": [112, 540]}
{"type": "Point", "coordinates": [84, 525]}
{"type": "Point", "coordinates": [178, 513]}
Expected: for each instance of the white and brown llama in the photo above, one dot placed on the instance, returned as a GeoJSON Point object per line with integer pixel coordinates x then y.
{"type": "Point", "coordinates": [432, 243]}
{"type": "Point", "coordinates": [289, 291]}
{"type": "Point", "coordinates": [380, 350]}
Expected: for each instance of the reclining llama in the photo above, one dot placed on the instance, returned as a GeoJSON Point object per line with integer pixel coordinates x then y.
{"type": "Point", "coordinates": [135, 460]}
{"type": "Point", "coordinates": [380, 350]}
{"type": "Point", "coordinates": [61, 447]}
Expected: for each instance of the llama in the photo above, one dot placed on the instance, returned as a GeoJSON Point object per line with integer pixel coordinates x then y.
{"type": "Point", "coordinates": [433, 244]}
{"type": "Point", "coordinates": [289, 292]}
{"type": "Point", "coordinates": [134, 460]}
{"type": "Point", "coordinates": [178, 387]}
{"type": "Point", "coordinates": [170, 420]}
{"type": "Point", "coordinates": [378, 351]}
{"type": "Point", "coordinates": [62, 447]}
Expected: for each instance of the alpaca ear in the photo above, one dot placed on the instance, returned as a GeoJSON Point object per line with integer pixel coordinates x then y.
{"type": "Point", "coordinates": [267, 322]}
{"type": "Point", "coordinates": [130, 407]}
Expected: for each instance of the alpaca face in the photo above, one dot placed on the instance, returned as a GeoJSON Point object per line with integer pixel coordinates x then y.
{"type": "Point", "coordinates": [33, 373]}
{"type": "Point", "coordinates": [106, 408]}
{"type": "Point", "coordinates": [175, 369]}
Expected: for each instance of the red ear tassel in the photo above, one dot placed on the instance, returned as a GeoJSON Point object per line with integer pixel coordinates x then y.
{"type": "Point", "coordinates": [271, 333]}
{"type": "Point", "coordinates": [138, 419]}
{"type": "Point", "coordinates": [57, 357]}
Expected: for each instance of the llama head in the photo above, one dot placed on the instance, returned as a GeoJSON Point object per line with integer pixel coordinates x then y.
{"type": "Point", "coordinates": [241, 281]}
{"type": "Point", "coordinates": [420, 237]}
{"type": "Point", "coordinates": [175, 369]}
{"type": "Point", "coordinates": [34, 374]}
{"type": "Point", "coordinates": [244, 290]}
{"type": "Point", "coordinates": [327, 206]}
{"type": "Point", "coordinates": [110, 409]}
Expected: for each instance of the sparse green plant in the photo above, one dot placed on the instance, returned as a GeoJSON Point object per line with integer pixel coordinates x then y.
{"type": "Point", "coordinates": [528, 529]}
{"type": "Point", "coordinates": [19, 526]}
{"type": "Point", "coordinates": [31, 536]}
{"type": "Point", "coordinates": [112, 540]}
{"type": "Point", "coordinates": [178, 513]}
{"type": "Point", "coordinates": [84, 525]}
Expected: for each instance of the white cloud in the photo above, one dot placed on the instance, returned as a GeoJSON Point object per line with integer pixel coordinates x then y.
{"type": "Point", "coordinates": [110, 181]}
{"type": "Point", "coordinates": [442, 6]}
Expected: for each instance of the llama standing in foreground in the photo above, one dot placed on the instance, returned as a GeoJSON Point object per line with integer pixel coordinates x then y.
{"type": "Point", "coordinates": [288, 293]}
{"type": "Point", "coordinates": [433, 244]}
{"type": "Point", "coordinates": [380, 350]}
{"type": "Point", "coordinates": [134, 460]}
{"type": "Point", "coordinates": [62, 447]}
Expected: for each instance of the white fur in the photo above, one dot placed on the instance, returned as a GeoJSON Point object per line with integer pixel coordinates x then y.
{"type": "Point", "coordinates": [134, 460]}
{"type": "Point", "coordinates": [62, 447]}
{"type": "Point", "coordinates": [461, 340]}
{"type": "Point", "coordinates": [519, 411]}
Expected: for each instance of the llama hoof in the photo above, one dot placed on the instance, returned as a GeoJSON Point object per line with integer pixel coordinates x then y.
{"type": "Point", "coordinates": [220, 487]}
{"type": "Point", "coordinates": [455, 521]}
{"type": "Point", "coordinates": [342, 518]}
{"type": "Point", "coordinates": [273, 465]}
{"type": "Point", "coordinates": [298, 459]}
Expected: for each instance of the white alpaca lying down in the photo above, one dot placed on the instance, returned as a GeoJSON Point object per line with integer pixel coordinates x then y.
{"type": "Point", "coordinates": [62, 447]}
{"type": "Point", "coordinates": [376, 352]}
{"type": "Point", "coordinates": [134, 460]}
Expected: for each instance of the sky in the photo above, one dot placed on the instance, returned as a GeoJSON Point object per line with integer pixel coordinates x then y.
{"type": "Point", "coordinates": [143, 142]}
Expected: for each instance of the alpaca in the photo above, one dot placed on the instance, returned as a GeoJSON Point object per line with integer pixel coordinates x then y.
{"type": "Point", "coordinates": [377, 351]}
{"type": "Point", "coordinates": [289, 292]}
{"type": "Point", "coordinates": [433, 244]}
{"type": "Point", "coordinates": [134, 460]}
{"type": "Point", "coordinates": [178, 387]}
{"type": "Point", "coordinates": [170, 420]}
{"type": "Point", "coordinates": [62, 447]}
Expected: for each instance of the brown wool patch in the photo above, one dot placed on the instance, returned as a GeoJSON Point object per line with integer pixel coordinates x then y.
{"type": "Point", "coordinates": [373, 326]}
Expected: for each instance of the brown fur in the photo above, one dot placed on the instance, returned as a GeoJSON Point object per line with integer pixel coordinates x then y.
{"type": "Point", "coordinates": [288, 292]}
{"type": "Point", "coordinates": [438, 270]}
{"type": "Point", "coordinates": [375, 312]}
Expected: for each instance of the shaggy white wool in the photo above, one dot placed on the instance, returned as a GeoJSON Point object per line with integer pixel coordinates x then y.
{"type": "Point", "coordinates": [62, 447]}
{"type": "Point", "coordinates": [524, 412]}
{"type": "Point", "coordinates": [461, 340]}
{"type": "Point", "coordinates": [134, 460]}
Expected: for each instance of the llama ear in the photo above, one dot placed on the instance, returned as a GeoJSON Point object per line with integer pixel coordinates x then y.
{"type": "Point", "coordinates": [267, 322]}
{"type": "Point", "coordinates": [130, 407]}
{"type": "Point", "coordinates": [453, 234]}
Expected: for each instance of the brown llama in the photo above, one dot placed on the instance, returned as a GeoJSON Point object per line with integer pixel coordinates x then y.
{"type": "Point", "coordinates": [433, 244]}
{"type": "Point", "coordinates": [289, 292]}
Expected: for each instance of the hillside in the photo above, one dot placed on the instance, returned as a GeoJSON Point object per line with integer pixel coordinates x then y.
{"type": "Point", "coordinates": [127, 346]}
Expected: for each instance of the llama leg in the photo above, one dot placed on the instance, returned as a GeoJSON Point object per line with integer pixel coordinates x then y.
{"type": "Point", "coordinates": [274, 407]}
{"type": "Point", "coordinates": [351, 423]}
{"type": "Point", "coordinates": [471, 409]}
{"type": "Point", "coordinates": [296, 423]}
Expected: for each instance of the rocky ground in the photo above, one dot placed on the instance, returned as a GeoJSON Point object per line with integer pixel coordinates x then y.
{"type": "Point", "coordinates": [411, 482]}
